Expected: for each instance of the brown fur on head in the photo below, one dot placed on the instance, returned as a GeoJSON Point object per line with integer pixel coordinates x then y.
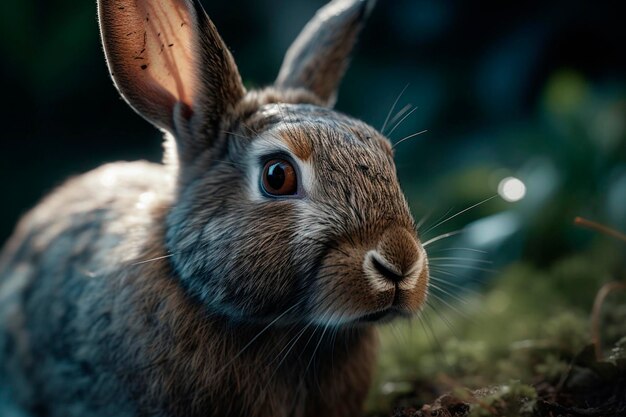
{"type": "Point", "coordinates": [340, 250]}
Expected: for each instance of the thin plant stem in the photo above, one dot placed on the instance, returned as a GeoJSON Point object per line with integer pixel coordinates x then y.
{"type": "Point", "coordinates": [588, 224]}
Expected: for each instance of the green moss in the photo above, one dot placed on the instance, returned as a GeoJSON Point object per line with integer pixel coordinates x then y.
{"type": "Point", "coordinates": [511, 400]}
{"type": "Point", "coordinates": [527, 327]}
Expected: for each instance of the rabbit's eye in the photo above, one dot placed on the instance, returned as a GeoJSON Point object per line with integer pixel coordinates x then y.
{"type": "Point", "coordinates": [279, 178]}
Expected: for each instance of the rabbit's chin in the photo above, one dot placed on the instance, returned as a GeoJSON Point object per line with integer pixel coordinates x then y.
{"type": "Point", "coordinates": [394, 304]}
{"type": "Point", "coordinates": [394, 310]}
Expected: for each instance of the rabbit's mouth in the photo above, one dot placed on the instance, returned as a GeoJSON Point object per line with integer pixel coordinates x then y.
{"type": "Point", "coordinates": [382, 316]}
{"type": "Point", "coordinates": [394, 310]}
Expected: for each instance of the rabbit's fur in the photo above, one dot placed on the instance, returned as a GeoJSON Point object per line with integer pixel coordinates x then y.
{"type": "Point", "coordinates": [182, 289]}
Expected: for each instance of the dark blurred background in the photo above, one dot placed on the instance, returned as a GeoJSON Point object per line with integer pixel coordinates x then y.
{"type": "Point", "coordinates": [533, 90]}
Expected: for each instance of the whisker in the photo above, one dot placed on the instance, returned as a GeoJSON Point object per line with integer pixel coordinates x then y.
{"type": "Point", "coordinates": [426, 324]}
{"type": "Point", "coordinates": [454, 249]}
{"type": "Point", "coordinates": [443, 236]}
{"type": "Point", "coordinates": [333, 341]}
{"type": "Point", "coordinates": [256, 337]}
{"type": "Point", "coordinates": [442, 316]}
{"type": "Point", "coordinates": [454, 285]}
{"type": "Point", "coordinates": [465, 303]}
{"type": "Point", "coordinates": [455, 276]}
{"type": "Point", "coordinates": [454, 258]}
{"type": "Point", "coordinates": [475, 268]}
{"type": "Point", "coordinates": [393, 106]}
{"type": "Point", "coordinates": [439, 219]}
{"type": "Point", "coordinates": [449, 294]}
{"type": "Point", "coordinates": [408, 137]}
{"type": "Point", "coordinates": [400, 113]}
{"type": "Point", "coordinates": [289, 346]}
{"type": "Point", "coordinates": [423, 220]}
{"type": "Point", "coordinates": [434, 268]}
{"type": "Point", "coordinates": [316, 348]}
{"type": "Point", "coordinates": [402, 120]}
{"type": "Point", "coordinates": [462, 211]}
{"type": "Point", "coordinates": [302, 380]}
{"type": "Point", "coordinates": [397, 334]}
{"type": "Point", "coordinates": [432, 341]}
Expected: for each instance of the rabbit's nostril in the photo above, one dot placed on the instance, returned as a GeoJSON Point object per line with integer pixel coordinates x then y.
{"type": "Point", "coordinates": [386, 271]}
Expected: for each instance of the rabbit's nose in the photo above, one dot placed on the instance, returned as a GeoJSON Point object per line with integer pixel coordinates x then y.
{"type": "Point", "coordinates": [397, 257]}
{"type": "Point", "coordinates": [385, 269]}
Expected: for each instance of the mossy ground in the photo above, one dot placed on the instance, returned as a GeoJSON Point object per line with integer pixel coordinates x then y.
{"type": "Point", "coordinates": [520, 348]}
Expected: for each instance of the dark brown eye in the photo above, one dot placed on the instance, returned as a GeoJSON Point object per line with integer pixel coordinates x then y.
{"type": "Point", "coordinates": [279, 178]}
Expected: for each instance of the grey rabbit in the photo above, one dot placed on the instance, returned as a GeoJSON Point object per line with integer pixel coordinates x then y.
{"type": "Point", "coordinates": [245, 274]}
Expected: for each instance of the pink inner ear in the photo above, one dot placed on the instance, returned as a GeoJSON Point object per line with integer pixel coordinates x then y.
{"type": "Point", "coordinates": [158, 43]}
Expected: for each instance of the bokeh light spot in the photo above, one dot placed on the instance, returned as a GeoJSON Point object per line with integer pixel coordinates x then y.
{"type": "Point", "coordinates": [511, 189]}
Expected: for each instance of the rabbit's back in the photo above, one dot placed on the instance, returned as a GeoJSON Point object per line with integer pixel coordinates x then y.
{"type": "Point", "coordinates": [54, 293]}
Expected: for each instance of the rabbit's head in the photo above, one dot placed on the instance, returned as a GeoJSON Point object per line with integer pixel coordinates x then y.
{"type": "Point", "coordinates": [285, 210]}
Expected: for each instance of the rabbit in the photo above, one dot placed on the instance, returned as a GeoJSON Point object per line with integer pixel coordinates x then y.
{"type": "Point", "coordinates": [243, 276]}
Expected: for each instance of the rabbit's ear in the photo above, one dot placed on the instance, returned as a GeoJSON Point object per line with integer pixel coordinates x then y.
{"type": "Point", "coordinates": [319, 56]}
{"type": "Point", "coordinates": [168, 61]}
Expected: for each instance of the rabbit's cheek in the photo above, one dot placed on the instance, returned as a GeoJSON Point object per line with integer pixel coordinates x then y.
{"type": "Point", "coordinates": [237, 259]}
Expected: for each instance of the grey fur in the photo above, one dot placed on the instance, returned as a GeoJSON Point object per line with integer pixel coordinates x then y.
{"type": "Point", "coordinates": [181, 289]}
